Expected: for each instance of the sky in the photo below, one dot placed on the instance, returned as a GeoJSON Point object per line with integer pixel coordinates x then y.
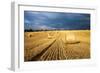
{"type": "Point", "coordinates": [40, 20]}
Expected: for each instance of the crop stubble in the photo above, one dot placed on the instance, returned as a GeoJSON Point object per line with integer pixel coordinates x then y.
{"type": "Point", "coordinates": [56, 45]}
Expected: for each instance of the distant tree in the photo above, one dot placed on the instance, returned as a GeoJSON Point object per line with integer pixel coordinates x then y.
{"type": "Point", "coordinates": [30, 30]}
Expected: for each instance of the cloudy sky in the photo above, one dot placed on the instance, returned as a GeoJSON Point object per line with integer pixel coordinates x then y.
{"type": "Point", "coordinates": [56, 20]}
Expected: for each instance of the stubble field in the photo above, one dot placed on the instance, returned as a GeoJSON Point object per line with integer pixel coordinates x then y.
{"type": "Point", "coordinates": [56, 45]}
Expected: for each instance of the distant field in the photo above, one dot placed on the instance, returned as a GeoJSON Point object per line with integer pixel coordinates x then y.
{"type": "Point", "coordinates": [56, 45]}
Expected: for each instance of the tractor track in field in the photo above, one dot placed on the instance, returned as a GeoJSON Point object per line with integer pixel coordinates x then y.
{"type": "Point", "coordinates": [35, 58]}
{"type": "Point", "coordinates": [51, 52]}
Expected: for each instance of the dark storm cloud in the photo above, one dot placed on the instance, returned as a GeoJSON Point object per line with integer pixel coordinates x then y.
{"type": "Point", "coordinates": [56, 20]}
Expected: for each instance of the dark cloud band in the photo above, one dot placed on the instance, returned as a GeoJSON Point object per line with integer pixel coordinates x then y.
{"type": "Point", "coordinates": [56, 20]}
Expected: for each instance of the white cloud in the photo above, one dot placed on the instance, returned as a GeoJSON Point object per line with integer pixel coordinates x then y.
{"type": "Point", "coordinates": [42, 27]}
{"type": "Point", "coordinates": [27, 21]}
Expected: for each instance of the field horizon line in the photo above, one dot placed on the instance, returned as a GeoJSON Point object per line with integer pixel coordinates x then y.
{"type": "Point", "coordinates": [55, 30]}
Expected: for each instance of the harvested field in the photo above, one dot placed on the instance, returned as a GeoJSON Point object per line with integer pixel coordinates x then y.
{"type": "Point", "coordinates": [56, 45]}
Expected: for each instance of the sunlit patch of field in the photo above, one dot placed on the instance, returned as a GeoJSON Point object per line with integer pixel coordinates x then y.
{"type": "Point", "coordinates": [57, 45]}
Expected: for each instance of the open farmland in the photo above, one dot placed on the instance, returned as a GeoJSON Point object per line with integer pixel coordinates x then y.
{"type": "Point", "coordinates": [56, 45]}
